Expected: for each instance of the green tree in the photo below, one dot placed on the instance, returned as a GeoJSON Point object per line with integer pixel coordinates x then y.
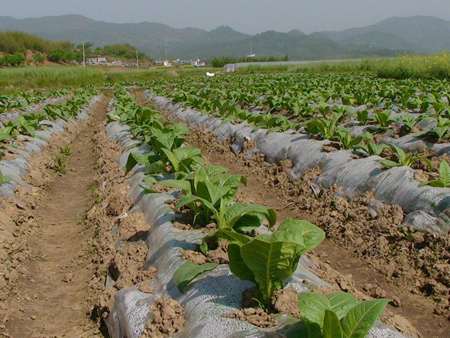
{"type": "Point", "coordinates": [38, 58]}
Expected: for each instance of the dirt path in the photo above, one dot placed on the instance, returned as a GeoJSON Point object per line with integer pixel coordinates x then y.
{"type": "Point", "coordinates": [53, 297]}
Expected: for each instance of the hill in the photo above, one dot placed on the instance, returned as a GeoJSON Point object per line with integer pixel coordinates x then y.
{"type": "Point", "coordinates": [418, 33]}
{"type": "Point", "coordinates": [386, 38]}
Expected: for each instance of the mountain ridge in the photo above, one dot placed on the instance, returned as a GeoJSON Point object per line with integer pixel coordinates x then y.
{"type": "Point", "coordinates": [386, 38]}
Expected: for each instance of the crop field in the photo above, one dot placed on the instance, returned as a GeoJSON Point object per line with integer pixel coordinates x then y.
{"type": "Point", "coordinates": [251, 205]}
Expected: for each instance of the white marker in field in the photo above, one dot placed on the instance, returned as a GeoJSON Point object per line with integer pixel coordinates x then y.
{"type": "Point", "coordinates": [210, 74]}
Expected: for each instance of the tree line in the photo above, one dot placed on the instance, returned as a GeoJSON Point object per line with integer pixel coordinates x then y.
{"type": "Point", "coordinates": [14, 46]}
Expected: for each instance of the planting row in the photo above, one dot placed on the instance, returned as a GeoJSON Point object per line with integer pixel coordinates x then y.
{"type": "Point", "coordinates": [203, 201]}
{"type": "Point", "coordinates": [24, 101]}
{"type": "Point", "coordinates": [21, 137]}
{"type": "Point", "coordinates": [317, 106]}
{"type": "Point", "coordinates": [390, 178]}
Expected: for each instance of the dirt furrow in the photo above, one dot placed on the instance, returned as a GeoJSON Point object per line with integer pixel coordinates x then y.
{"type": "Point", "coordinates": [52, 296]}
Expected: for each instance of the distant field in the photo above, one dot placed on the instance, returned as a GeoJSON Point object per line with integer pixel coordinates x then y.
{"type": "Point", "coordinates": [54, 77]}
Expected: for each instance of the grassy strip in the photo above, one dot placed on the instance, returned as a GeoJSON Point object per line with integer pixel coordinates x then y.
{"type": "Point", "coordinates": [47, 77]}
{"type": "Point", "coordinates": [435, 66]}
{"type": "Point", "coordinates": [54, 77]}
{"type": "Point", "coordinates": [314, 67]}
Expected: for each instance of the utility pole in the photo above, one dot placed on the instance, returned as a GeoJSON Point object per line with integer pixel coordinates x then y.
{"type": "Point", "coordinates": [137, 60]}
{"type": "Point", "coordinates": [84, 58]}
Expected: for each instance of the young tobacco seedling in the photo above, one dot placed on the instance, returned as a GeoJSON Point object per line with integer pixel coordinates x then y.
{"type": "Point", "coordinates": [444, 177]}
{"type": "Point", "coordinates": [335, 315]}
{"type": "Point", "coordinates": [371, 148]}
{"type": "Point", "coordinates": [267, 260]}
{"type": "Point", "coordinates": [383, 118]}
{"type": "Point", "coordinates": [404, 159]}
{"type": "Point", "coordinates": [346, 140]}
{"type": "Point", "coordinates": [4, 179]}
{"type": "Point", "coordinates": [324, 127]}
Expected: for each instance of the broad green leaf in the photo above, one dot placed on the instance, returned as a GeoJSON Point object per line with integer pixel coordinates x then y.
{"type": "Point", "coordinates": [270, 261]}
{"type": "Point", "coordinates": [136, 158]}
{"type": "Point", "coordinates": [229, 180]}
{"type": "Point", "coordinates": [300, 232]}
{"type": "Point", "coordinates": [30, 129]}
{"type": "Point", "coordinates": [172, 159]}
{"type": "Point", "coordinates": [180, 129]}
{"type": "Point", "coordinates": [444, 177]}
{"type": "Point", "coordinates": [200, 175]}
{"type": "Point", "coordinates": [314, 330]}
{"type": "Point", "coordinates": [230, 235]}
{"type": "Point", "coordinates": [331, 326]}
{"type": "Point", "coordinates": [204, 215]}
{"type": "Point", "coordinates": [399, 152]}
{"type": "Point", "coordinates": [237, 264]}
{"type": "Point", "coordinates": [441, 131]}
{"type": "Point", "coordinates": [389, 163]}
{"type": "Point", "coordinates": [188, 271]}
{"type": "Point", "coordinates": [341, 302]}
{"type": "Point", "coordinates": [189, 199]}
{"type": "Point", "coordinates": [244, 217]}
{"type": "Point", "coordinates": [211, 192]}
{"type": "Point", "coordinates": [444, 173]}
{"type": "Point", "coordinates": [298, 330]}
{"type": "Point", "coordinates": [157, 167]}
{"type": "Point", "coordinates": [360, 319]}
{"type": "Point", "coordinates": [213, 170]}
{"type": "Point", "coordinates": [312, 307]}
{"type": "Point", "coordinates": [178, 184]}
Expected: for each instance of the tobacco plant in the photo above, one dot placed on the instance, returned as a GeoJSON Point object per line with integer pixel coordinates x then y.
{"type": "Point", "coordinates": [336, 315]}
{"type": "Point", "coordinates": [403, 159]}
{"type": "Point", "coordinates": [267, 260]}
{"type": "Point", "coordinates": [346, 140]}
{"type": "Point", "coordinates": [4, 179]}
{"type": "Point", "coordinates": [383, 118]}
{"type": "Point", "coordinates": [444, 177]}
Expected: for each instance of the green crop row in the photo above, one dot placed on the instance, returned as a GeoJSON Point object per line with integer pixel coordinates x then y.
{"type": "Point", "coordinates": [324, 106]}
{"type": "Point", "coordinates": [28, 124]}
{"type": "Point", "coordinates": [265, 260]}
{"type": "Point", "coordinates": [25, 99]}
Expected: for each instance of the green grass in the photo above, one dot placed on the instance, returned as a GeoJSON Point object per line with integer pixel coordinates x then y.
{"type": "Point", "coordinates": [435, 66]}
{"type": "Point", "coordinates": [52, 77]}
{"type": "Point", "coordinates": [55, 77]}
{"type": "Point", "coordinates": [315, 67]}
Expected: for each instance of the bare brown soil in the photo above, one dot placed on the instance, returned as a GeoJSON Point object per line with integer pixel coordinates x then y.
{"type": "Point", "coordinates": [50, 294]}
{"type": "Point", "coordinates": [365, 253]}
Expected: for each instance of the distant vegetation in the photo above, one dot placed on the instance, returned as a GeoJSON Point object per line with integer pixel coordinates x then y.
{"type": "Point", "coordinates": [416, 66]}
{"type": "Point", "coordinates": [12, 42]}
{"type": "Point", "coordinates": [124, 51]}
{"type": "Point", "coordinates": [15, 45]}
{"type": "Point", "coordinates": [54, 77]}
{"type": "Point", "coordinates": [223, 60]}
{"type": "Point", "coordinates": [435, 66]}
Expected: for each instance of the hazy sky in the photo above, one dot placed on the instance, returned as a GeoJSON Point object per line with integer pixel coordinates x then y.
{"type": "Point", "coordinates": [248, 16]}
